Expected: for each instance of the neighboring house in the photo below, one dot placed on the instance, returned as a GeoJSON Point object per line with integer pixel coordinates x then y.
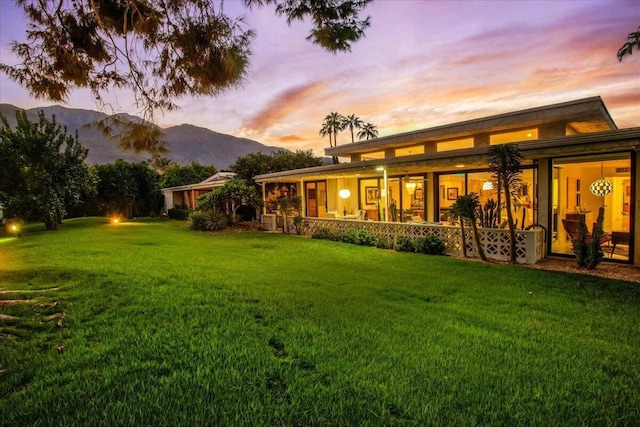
{"type": "Point", "coordinates": [568, 148]}
{"type": "Point", "coordinates": [186, 196]}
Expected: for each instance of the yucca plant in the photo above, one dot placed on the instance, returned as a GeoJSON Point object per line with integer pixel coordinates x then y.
{"type": "Point", "coordinates": [468, 207]}
{"type": "Point", "coordinates": [505, 165]}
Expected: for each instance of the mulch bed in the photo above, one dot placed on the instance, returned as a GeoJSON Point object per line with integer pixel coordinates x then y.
{"type": "Point", "coordinates": [607, 270]}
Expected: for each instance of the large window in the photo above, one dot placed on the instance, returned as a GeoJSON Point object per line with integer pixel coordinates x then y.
{"type": "Point", "coordinates": [524, 208]}
{"type": "Point", "coordinates": [573, 199]}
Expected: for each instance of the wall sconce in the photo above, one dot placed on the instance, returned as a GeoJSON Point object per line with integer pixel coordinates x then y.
{"type": "Point", "coordinates": [487, 186]}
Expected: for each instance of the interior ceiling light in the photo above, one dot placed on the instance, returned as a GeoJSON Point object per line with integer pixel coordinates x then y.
{"type": "Point", "coordinates": [601, 187]}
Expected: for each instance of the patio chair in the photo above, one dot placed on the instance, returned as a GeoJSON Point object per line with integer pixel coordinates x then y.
{"type": "Point", "coordinates": [619, 238]}
{"type": "Point", "coordinates": [361, 214]}
{"type": "Point", "coordinates": [571, 228]}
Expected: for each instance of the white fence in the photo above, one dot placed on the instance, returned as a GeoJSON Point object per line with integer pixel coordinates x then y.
{"type": "Point", "coordinates": [530, 245]}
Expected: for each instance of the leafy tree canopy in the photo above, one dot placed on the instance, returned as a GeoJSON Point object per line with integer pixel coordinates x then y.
{"type": "Point", "coordinates": [175, 175]}
{"type": "Point", "coordinates": [129, 189]}
{"type": "Point", "coordinates": [160, 50]}
{"type": "Point", "coordinates": [246, 167]}
{"type": "Point", "coordinates": [43, 173]}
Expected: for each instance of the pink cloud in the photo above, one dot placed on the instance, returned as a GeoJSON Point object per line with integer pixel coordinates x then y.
{"type": "Point", "coordinates": [283, 105]}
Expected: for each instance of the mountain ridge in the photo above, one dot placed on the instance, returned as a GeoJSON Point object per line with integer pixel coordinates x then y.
{"type": "Point", "coordinates": [186, 142]}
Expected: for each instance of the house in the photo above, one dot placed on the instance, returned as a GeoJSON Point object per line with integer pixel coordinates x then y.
{"type": "Point", "coordinates": [186, 196]}
{"type": "Point", "coordinates": [575, 161]}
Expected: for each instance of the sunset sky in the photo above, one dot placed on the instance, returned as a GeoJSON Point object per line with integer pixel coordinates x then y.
{"type": "Point", "coordinates": [423, 63]}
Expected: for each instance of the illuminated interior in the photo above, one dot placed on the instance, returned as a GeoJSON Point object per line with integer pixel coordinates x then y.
{"type": "Point", "coordinates": [456, 144]}
{"type": "Point", "coordinates": [572, 199]}
{"type": "Point", "coordinates": [517, 136]}
{"type": "Point", "coordinates": [524, 210]}
{"type": "Point", "coordinates": [409, 151]}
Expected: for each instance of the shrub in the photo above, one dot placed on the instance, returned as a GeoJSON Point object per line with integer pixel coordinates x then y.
{"type": "Point", "coordinates": [430, 245]}
{"type": "Point", "coordinates": [182, 214]}
{"type": "Point", "coordinates": [216, 220]}
{"type": "Point", "coordinates": [323, 234]}
{"type": "Point", "coordinates": [384, 243]}
{"type": "Point", "coordinates": [198, 221]}
{"type": "Point", "coordinates": [360, 237]}
{"type": "Point", "coordinates": [404, 244]}
{"type": "Point", "coordinates": [208, 221]}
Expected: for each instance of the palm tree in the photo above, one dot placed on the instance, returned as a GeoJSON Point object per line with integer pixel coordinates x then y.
{"type": "Point", "coordinates": [468, 208]}
{"type": "Point", "coordinates": [352, 121]}
{"type": "Point", "coordinates": [505, 165]}
{"type": "Point", "coordinates": [367, 131]}
{"type": "Point", "coordinates": [633, 42]}
{"type": "Point", "coordinates": [325, 130]}
{"type": "Point", "coordinates": [332, 124]}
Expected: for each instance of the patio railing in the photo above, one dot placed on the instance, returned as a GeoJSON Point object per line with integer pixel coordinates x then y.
{"type": "Point", "coordinates": [530, 245]}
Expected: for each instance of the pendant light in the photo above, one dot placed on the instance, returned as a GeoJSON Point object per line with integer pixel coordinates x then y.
{"type": "Point", "coordinates": [601, 187]}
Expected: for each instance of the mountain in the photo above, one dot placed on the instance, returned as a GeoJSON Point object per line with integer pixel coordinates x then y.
{"type": "Point", "coordinates": [186, 143]}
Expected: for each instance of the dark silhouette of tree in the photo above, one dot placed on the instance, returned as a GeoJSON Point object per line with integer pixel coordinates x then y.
{"type": "Point", "coordinates": [368, 131]}
{"type": "Point", "coordinates": [352, 122]}
{"type": "Point", "coordinates": [43, 173]}
{"type": "Point", "coordinates": [176, 175]}
{"type": "Point", "coordinates": [333, 124]}
{"type": "Point", "coordinates": [633, 42]}
{"type": "Point", "coordinates": [505, 165]}
{"type": "Point", "coordinates": [159, 50]}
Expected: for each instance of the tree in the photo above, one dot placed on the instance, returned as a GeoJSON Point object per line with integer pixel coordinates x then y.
{"type": "Point", "coordinates": [633, 42]}
{"type": "Point", "coordinates": [468, 207]}
{"type": "Point", "coordinates": [234, 193]}
{"type": "Point", "coordinates": [333, 123]}
{"type": "Point", "coordinates": [128, 189]}
{"type": "Point", "coordinates": [352, 122]}
{"type": "Point", "coordinates": [176, 175]}
{"type": "Point", "coordinates": [159, 50]}
{"type": "Point", "coordinates": [368, 131]}
{"type": "Point", "coordinates": [246, 167]}
{"type": "Point", "coordinates": [43, 172]}
{"type": "Point", "coordinates": [505, 165]}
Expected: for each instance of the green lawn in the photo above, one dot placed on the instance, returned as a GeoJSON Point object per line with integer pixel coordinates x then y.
{"type": "Point", "coordinates": [166, 326]}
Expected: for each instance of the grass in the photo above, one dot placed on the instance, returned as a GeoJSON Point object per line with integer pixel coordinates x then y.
{"type": "Point", "coordinates": [166, 326]}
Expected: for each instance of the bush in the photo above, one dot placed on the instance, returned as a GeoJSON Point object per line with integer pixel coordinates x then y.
{"type": "Point", "coordinates": [404, 244]}
{"type": "Point", "coordinates": [360, 237]}
{"type": "Point", "coordinates": [323, 234]}
{"type": "Point", "coordinates": [208, 221]}
{"type": "Point", "coordinates": [384, 243]}
{"type": "Point", "coordinates": [198, 221]}
{"type": "Point", "coordinates": [216, 220]}
{"type": "Point", "coordinates": [430, 245]}
{"type": "Point", "coordinates": [182, 214]}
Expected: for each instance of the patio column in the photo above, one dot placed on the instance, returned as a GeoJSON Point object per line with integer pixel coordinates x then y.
{"type": "Point", "coordinates": [430, 195]}
{"type": "Point", "coordinates": [544, 197]}
{"type": "Point", "coordinates": [635, 221]}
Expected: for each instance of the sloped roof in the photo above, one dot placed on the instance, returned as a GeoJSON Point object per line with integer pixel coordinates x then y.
{"type": "Point", "coordinates": [584, 116]}
{"type": "Point", "coordinates": [214, 181]}
{"type": "Point", "coordinates": [591, 143]}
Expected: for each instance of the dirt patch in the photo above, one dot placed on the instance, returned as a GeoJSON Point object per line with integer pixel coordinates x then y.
{"type": "Point", "coordinates": [8, 302]}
